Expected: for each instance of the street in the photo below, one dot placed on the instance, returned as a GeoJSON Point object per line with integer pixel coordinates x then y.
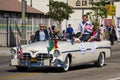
{"type": "Point", "coordinates": [111, 70]}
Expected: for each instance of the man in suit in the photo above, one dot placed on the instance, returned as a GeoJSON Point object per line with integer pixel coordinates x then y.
{"type": "Point", "coordinates": [41, 34]}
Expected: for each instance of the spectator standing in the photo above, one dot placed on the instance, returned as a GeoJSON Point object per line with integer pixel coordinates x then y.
{"type": "Point", "coordinates": [102, 32]}
{"type": "Point", "coordinates": [69, 31]}
{"type": "Point", "coordinates": [64, 35]}
{"type": "Point", "coordinates": [112, 34]}
{"type": "Point", "coordinates": [107, 33]}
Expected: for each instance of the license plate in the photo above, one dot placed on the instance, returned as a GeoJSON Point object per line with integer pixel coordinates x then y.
{"type": "Point", "coordinates": [35, 65]}
{"type": "Point", "coordinates": [46, 62]}
{"type": "Point", "coordinates": [33, 60]}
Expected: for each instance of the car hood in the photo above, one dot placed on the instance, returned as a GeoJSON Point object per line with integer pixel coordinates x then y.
{"type": "Point", "coordinates": [42, 46]}
{"type": "Point", "coordinates": [37, 46]}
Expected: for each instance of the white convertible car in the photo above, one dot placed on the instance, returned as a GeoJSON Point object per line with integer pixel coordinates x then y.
{"type": "Point", "coordinates": [66, 55]}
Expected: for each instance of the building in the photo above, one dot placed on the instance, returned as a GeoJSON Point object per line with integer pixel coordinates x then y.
{"type": "Point", "coordinates": [39, 4]}
{"type": "Point", "coordinates": [13, 10]}
{"type": "Point", "coordinates": [11, 21]}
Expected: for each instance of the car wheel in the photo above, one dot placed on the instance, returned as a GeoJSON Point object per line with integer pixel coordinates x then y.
{"type": "Point", "coordinates": [101, 60]}
{"type": "Point", "coordinates": [21, 68]}
{"type": "Point", "coordinates": [66, 64]}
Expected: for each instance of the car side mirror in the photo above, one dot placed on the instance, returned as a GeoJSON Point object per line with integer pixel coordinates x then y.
{"type": "Point", "coordinates": [29, 42]}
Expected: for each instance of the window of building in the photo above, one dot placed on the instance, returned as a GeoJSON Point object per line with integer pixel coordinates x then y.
{"type": "Point", "coordinates": [90, 2]}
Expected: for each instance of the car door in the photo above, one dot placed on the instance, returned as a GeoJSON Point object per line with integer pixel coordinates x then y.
{"type": "Point", "coordinates": [83, 52]}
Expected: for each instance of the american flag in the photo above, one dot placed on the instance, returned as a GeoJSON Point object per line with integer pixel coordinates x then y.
{"type": "Point", "coordinates": [20, 52]}
{"type": "Point", "coordinates": [89, 26]}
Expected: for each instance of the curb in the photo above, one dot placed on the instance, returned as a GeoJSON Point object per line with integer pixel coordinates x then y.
{"type": "Point", "coordinates": [5, 51]}
{"type": "Point", "coordinates": [5, 54]}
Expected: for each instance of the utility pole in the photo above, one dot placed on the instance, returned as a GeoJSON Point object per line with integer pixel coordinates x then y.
{"type": "Point", "coordinates": [66, 19]}
{"type": "Point", "coordinates": [31, 3]}
{"type": "Point", "coordinates": [112, 3]}
{"type": "Point", "coordinates": [24, 8]}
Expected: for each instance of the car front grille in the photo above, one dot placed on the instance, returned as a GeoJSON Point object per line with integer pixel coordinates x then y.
{"type": "Point", "coordinates": [41, 56]}
{"type": "Point", "coordinates": [26, 56]}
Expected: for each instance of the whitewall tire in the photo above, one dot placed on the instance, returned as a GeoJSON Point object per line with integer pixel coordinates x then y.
{"type": "Point", "coordinates": [101, 60]}
{"type": "Point", "coordinates": [66, 64]}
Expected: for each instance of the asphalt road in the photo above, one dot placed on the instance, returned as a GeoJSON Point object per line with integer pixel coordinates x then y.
{"type": "Point", "coordinates": [111, 70]}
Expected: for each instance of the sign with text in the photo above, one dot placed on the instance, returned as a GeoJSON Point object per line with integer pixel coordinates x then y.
{"type": "Point", "coordinates": [81, 3]}
{"type": "Point", "coordinates": [111, 9]}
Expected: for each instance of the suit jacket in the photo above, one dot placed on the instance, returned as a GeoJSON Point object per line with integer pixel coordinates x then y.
{"type": "Point", "coordinates": [37, 38]}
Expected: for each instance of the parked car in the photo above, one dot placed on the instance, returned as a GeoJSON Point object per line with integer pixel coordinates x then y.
{"type": "Point", "coordinates": [65, 55]}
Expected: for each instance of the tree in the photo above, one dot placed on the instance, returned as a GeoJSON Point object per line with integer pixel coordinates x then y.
{"type": "Point", "coordinates": [99, 11]}
{"type": "Point", "coordinates": [59, 11]}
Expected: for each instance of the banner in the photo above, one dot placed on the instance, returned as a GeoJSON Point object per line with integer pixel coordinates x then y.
{"type": "Point", "coordinates": [118, 27]}
{"type": "Point", "coordinates": [107, 22]}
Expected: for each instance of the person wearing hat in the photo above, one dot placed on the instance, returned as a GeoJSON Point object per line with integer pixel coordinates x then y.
{"type": "Point", "coordinates": [41, 34]}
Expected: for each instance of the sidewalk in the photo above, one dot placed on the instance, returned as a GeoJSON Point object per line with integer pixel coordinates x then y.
{"type": "Point", "coordinates": [5, 51]}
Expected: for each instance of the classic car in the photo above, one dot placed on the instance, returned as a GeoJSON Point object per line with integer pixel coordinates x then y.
{"type": "Point", "coordinates": [65, 55]}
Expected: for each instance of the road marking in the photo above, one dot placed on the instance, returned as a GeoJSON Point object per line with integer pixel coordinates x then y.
{"type": "Point", "coordinates": [117, 78]}
{"type": "Point", "coordinates": [16, 75]}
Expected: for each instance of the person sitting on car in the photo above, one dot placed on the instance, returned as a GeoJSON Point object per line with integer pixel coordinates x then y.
{"type": "Point", "coordinates": [76, 38]}
{"type": "Point", "coordinates": [95, 35]}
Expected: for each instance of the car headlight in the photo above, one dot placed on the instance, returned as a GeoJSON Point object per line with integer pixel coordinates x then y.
{"type": "Point", "coordinates": [13, 52]}
{"type": "Point", "coordinates": [56, 53]}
